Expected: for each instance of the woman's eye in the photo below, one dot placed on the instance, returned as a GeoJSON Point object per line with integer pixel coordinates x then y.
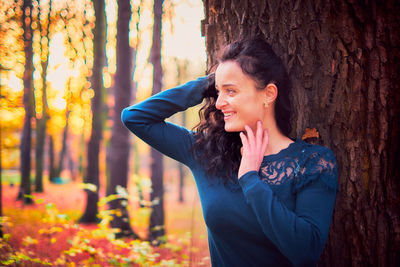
{"type": "Point", "coordinates": [231, 91]}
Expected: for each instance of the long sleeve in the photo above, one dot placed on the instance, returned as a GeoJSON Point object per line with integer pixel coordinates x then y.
{"type": "Point", "coordinates": [301, 234]}
{"type": "Point", "coordinates": [147, 119]}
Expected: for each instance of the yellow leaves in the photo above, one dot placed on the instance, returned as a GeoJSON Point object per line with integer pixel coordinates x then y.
{"type": "Point", "coordinates": [104, 200]}
{"type": "Point", "coordinates": [83, 242]}
{"type": "Point", "coordinates": [121, 191]}
{"type": "Point", "coordinates": [88, 186]}
{"type": "Point", "coordinates": [27, 241]}
{"type": "Point", "coordinates": [118, 213]}
{"type": "Point", "coordinates": [52, 230]}
{"type": "Point", "coordinates": [87, 95]}
{"type": "Point", "coordinates": [5, 222]}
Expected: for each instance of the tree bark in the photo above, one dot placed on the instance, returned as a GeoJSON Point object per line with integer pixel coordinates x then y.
{"type": "Point", "coordinates": [93, 148]}
{"type": "Point", "coordinates": [344, 59]}
{"type": "Point", "coordinates": [120, 142]}
{"type": "Point", "coordinates": [156, 226]}
{"type": "Point", "coordinates": [25, 157]}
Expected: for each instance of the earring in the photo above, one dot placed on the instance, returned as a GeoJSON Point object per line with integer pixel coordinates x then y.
{"type": "Point", "coordinates": [266, 104]}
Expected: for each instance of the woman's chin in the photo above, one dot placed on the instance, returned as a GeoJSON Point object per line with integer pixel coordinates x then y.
{"type": "Point", "coordinates": [233, 129]}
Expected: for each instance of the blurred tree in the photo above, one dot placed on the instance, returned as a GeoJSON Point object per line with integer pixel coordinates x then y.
{"type": "Point", "coordinates": [156, 226]}
{"type": "Point", "coordinates": [93, 149]}
{"type": "Point", "coordinates": [41, 121]}
{"type": "Point", "coordinates": [118, 152]}
{"type": "Point", "coordinates": [25, 156]}
{"type": "Point", "coordinates": [1, 175]}
{"type": "Point", "coordinates": [344, 60]}
{"type": "Point", "coordinates": [181, 67]}
{"type": "Point", "coordinates": [63, 151]}
{"type": "Point", "coordinates": [52, 167]}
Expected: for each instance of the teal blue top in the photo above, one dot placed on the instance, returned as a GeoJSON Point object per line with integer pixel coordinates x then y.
{"type": "Point", "coordinates": [278, 216]}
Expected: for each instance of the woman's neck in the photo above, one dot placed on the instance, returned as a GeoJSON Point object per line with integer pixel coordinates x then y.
{"type": "Point", "coordinates": [276, 140]}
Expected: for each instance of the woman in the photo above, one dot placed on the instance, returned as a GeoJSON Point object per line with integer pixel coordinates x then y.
{"type": "Point", "coordinates": [267, 200]}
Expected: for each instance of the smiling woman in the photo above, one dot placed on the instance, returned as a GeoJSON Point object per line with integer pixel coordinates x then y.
{"type": "Point", "coordinates": [267, 199]}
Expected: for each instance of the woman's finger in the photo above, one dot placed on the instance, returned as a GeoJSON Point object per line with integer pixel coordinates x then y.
{"type": "Point", "coordinates": [245, 142]}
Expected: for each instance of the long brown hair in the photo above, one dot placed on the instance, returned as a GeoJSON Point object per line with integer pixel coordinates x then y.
{"type": "Point", "coordinates": [217, 150]}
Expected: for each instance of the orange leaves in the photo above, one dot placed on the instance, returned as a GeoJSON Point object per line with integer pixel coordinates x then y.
{"type": "Point", "coordinates": [310, 133]}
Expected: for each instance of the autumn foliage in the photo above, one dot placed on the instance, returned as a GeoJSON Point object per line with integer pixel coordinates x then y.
{"type": "Point", "coordinates": [47, 234]}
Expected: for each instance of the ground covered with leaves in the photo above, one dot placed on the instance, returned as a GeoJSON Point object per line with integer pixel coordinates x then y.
{"type": "Point", "coordinates": [46, 233]}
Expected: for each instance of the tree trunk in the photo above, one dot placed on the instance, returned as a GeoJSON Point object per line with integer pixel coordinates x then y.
{"type": "Point", "coordinates": [63, 151]}
{"type": "Point", "coordinates": [39, 152]}
{"type": "Point", "coordinates": [41, 123]}
{"type": "Point", "coordinates": [120, 142]}
{"type": "Point", "coordinates": [136, 167]}
{"type": "Point", "coordinates": [52, 168]}
{"type": "Point", "coordinates": [93, 149]}
{"type": "Point", "coordinates": [344, 59]}
{"type": "Point", "coordinates": [1, 174]}
{"type": "Point", "coordinates": [156, 226]}
{"type": "Point", "coordinates": [181, 67]}
{"type": "Point", "coordinates": [25, 162]}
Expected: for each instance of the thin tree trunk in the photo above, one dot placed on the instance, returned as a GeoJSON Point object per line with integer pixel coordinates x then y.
{"type": "Point", "coordinates": [25, 162]}
{"type": "Point", "coordinates": [52, 168]}
{"type": "Point", "coordinates": [93, 150]}
{"type": "Point", "coordinates": [181, 70]}
{"type": "Point", "coordinates": [344, 59]}
{"type": "Point", "coordinates": [181, 169]}
{"type": "Point", "coordinates": [63, 151]}
{"type": "Point", "coordinates": [136, 172]}
{"type": "Point", "coordinates": [156, 226]}
{"type": "Point", "coordinates": [120, 142]}
{"type": "Point", "coordinates": [41, 123]}
{"type": "Point", "coordinates": [1, 174]}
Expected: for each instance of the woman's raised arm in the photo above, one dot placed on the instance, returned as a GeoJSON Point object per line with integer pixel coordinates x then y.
{"type": "Point", "coordinates": [147, 119]}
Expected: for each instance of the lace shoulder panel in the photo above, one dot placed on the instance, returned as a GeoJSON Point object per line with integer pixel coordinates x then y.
{"type": "Point", "coordinates": [309, 163]}
{"type": "Point", "coordinates": [319, 164]}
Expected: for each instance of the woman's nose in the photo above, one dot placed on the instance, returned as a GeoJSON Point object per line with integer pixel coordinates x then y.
{"type": "Point", "coordinates": [220, 102]}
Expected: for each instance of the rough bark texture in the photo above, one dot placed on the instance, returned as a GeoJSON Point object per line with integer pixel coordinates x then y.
{"type": "Point", "coordinates": [156, 226]}
{"type": "Point", "coordinates": [25, 154]}
{"type": "Point", "coordinates": [344, 59]}
{"type": "Point", "coordinates": [120, 142]}
{"type": "Point", "coordinates": [92, 170]}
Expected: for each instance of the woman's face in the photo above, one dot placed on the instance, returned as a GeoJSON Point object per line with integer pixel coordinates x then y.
{"type": "Point", "coordinates": [238, 99]}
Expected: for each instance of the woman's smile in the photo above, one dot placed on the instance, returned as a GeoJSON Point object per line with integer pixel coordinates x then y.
{"type": "Point", "coordinates": [228, 115]}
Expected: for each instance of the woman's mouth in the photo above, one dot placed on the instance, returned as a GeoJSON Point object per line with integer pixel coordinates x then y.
{"type": "Point", "coordinates": [228, 115]}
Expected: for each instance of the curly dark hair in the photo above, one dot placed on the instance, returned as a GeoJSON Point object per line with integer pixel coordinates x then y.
{"type": "Point", "coordinates": [217, 150]}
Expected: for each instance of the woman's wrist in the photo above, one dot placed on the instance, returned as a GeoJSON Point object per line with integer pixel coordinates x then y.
{"type": "Point", "coordinates": [210, 91]}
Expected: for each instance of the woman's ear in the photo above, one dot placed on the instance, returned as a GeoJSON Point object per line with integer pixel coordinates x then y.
{"type": "Point", "coordinates": [271, 93]}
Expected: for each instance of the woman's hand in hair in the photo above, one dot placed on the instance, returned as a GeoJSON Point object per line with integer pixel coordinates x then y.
{"type": "Point", "coordinates": [253, 149]}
